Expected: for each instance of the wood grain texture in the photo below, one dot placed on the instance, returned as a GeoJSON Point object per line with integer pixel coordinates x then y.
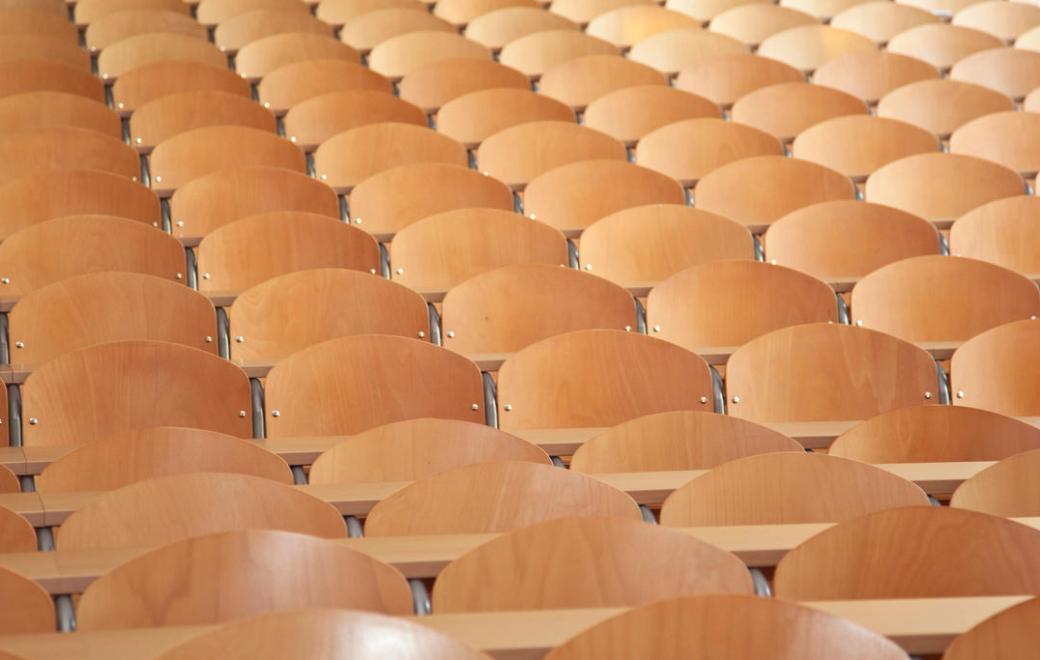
{"type": "Point", "coordinates": [149, 82]}
{"type": "Point", "coordinates": [237, 31]}
{"type": "Point", "coordinates": [625, 26]}
{"type": "Point", "coordinates": [323, 116]}
{"type": "Point", "coordinates": [992, 370]}
{"type": "Point", "coordinates": [1011, 71]}
{"type": "Point", "coordinates": [16, 533]}
{"type": "Point", "coordinates": [999, 232]}
{"type": "Point", "coordinates": [675, 50]}
{"type": "Point", "coordinates": [398, 56]}
{"type": "Point", "coordinates": [1008, 23]}
{"type": "Point", "coordinates": [726, 78]}
{"type": "Point", "coordinates": [369, 29]}
{"type": "Point", "coordinates": [1008, 635]}
{"type": "Point", "coordinates": [434, 84]}
{"type": "Point", "coordinates": [941, 44]}
{"type": "Point", "coordinates": [580, 81]}
{"type": "Point", "coordinates": [65, 148]}
{"type": "Point", "coordinates": [165, 509]}
{"type": "Point", "coordinates": [295, 83]}
{"type": "Point", "coordinates": [142, 49]}
{"type": "Point", "coordinates": [173, 114]}
{"type": "Point", "coordinates": [881, 22]}
{"type": "Point", "coordinates": [857, 145]}
{"type": "Point", "coordinates": [942, 106]}
{"type": "Point", "coordinates": [1005, 489]}
{"type": "Point", "coordinates": [1002, 137]}
{"type": "Point", "coordinates": [213, 12]}
{"type": "Point", "coordinates": [88, 11]}
{"type": "Point", "coordinates": [40, 75]}
{"type": "Point", "coordinates": [36, 20]}
{"type": "Point", "coordinates": [786, 109]}
{"type": "Point", "coordinates": [870, 74]}
{"type": "Point", "coordinates": [807, 47]}
{"type": "Point", "coordinates": [257, 59]}
{"type": "Point", "coordinates": [630, 114]}
{"type": "Point", "coordinates": [27, 607]}
{"type": "Point", "coordinates": [494, 496]}
{"type": "Point", "coordinates": [599, 378]}
{"type": "Point", "coordinates": [113, 28]}
{"type": "Point", "coordinates": [32, 110]}
{"type": "Point", "coordinates": [474, 117]}
{"type": "Point", "coordinates": [499, 27]}
{"type": "Point", "coordinates": [688, 150]}
{"type": "Point", "coordinates": [752, 23]}
{"type": "Point", "coordinates": [536, 53]}
{"type": "Point", "coordinates": [17, 47]}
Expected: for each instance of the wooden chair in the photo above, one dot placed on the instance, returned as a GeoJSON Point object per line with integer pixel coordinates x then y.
{"type": "Point", "coordinates": [167, 509]}
{"type": "Point", "coordinates": [212, 579]}
{"type": "Point", "coordinates": [235, 32]}
{"type": "Point", "coordinates": [401, 55]}
{"type": "Point", "coordinates": [1009, 634]}
{"type": "Point", "coordinates": [679, 237]}
{"type": "Point", "coordinates": [365, 32]}
{"type": "Point", "coordinates": [103, 307]}
{"type": "Point", "coordinates": [324, 304]}
{"type": "Point", "coordinates": [689, 150]}
{"type": "Point", "coordinates": [880, 21]}
{"type": "Point", "coordinates": [259, 58]}
{"type": "Point", "coordinates": [1005, 489]}
{"type": "Point", "coordinates": [340, 12]}
{"type": "Point", "coordinates": [941, 44]}
{"type": "Point", "coordinates": [461, 12]}
{"type": "Point", "coordinates": [536, 53]}
{"type": "Point", "coordinates": [209, 202]}
{"type": "Point", "coordinates": [8, 482]}
{"type": "Point", "coordinates": [391, 200]}
{"type": "Point", "coordinates": [86, 244]}
{"type": "Point", "coordinates": [1011, 71]}
{"type": "Point", "coordinates": [630, 114]}
{"type": "Point", "coordinates": [416, 448]}
{"type": "Point", "coordinates": [55, 7]}
{"type": "Point", "coordinates": [701, 627]}
{"type": "Point", "coordinates": [173, 114]}
{"type": "Point", "coordinates": [869, 75]}
{"type": "Point", "coordinates": [560, 564]}
{"type": "Point", "coordinates": [1027, 40]}
{"type": "Point", "coordinates": [316, 634]}
{"type": "Point", "coordinates": [125, 458]}
{"type": "Point", "coordinates": [824, 371]}
{"type": "Point", "coordinates": [499, 27]}
{"type": "Point", "coordinates": [16, 47]}
{"type": "Point", "coordinates": [348, 158]}
{"type": "Point", "coordinates": [28, 608]}
{"type": "Point", "coordinates": [20, 112]}
{"type": "Point", "coordinates": [474, 117]}
{"type": "Point", "coordinates": [65, 148]}
{"type": "Point", "coordinates": [753, 23]}
{"type": "Point", "coordinates": [580, 81]}
{"type": "Point", "coordinates": [847, 239]}
{"type": "Point", "coordinates": [446, 249]}
{"type": "Point", "coordinates": [583, 11]}
{"type": "Point", "coordinates": [37, 21]}
{"type": "Point", "coordinates": [152, 81]}
{"type": "Point", "coordinates": [42, 76]}
{"type": "Point", "coordinates": [1003, 22]}
{"type": "Point", "coordinates": [931, 434]}
{"type": "Point", "coordinates": [572, 197]}
{"type": "Point", "coordinates": [1031, 103]}
{"type": "Point", "coordinates": [628, 25]}
{"type": "Point", "coordinates": [495, 496]}
{"type": "Point", "coordinates": [1008, 138]}
{"type": "Point", "coordinates": [941, 186]}
{"type": "Point", "coordinates": [726, 78]}
{"type": "Point", "coordinates": [213, 12]}
{"type": "Point", "coordinates": [142, 49]}
{"type": "Point", "coordinates": [821, 10]}
{"type": "Point", "coordinates": [433, 85]}
{"type": "Point", "coordinates": [368, 380]}
{"type": "Point", "coordinates": [113, 28]}
{"type": "Point", "coordinates": [201, 151]}
{"type": "Point", "coordinates": [680, 440]}
{"type": "Point", "coordinates": [292, 84]}
{"type": "Point", "coordinates": [88, 11]}
{"type": "Point", "coordinates": [258, 248]}
{"type": "Point", "coordinates": [18, 534]}
{"type": "Point", "coordinates": [808, 47]}
{"type": "Point", "coordinates": [784, 110]}
{"type": "Point", "coordinates": [913, 552]}
{"type": "Point", "coordinates": [857, 145]}
{"type": "Point", "coordinates": [729, 303]}
{"type": "Point", "coordinates": [941, 106]}
{"type": "Point", "coordinates": [599, 378]}
{"type": "Point", "coordinates": [1000, 232]}
{"type": "Point", "coordinates": [991, 370]}
{"type": "Point", "coordinates": [675, 50]}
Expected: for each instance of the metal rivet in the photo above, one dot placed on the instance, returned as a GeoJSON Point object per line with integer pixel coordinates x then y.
{"type": "Point", "coordinates": [421, 334]}
{"type": "Point", "coordinates": [5, 280]}
{"type": "Point", "coordinates": [242, 74]}
{"type": "Point", "coordinates": [33, 421]}
{"type": "Point", "coordinates": [180, 223]}
{"type": "Point", "coordinates": [155, 224]}
{"type": "Point", "coordinates": [507, 407]}
{"type": "Point", "coordinates": [928, 395]}
{"type": "Point", "coordinates": [451, 335]}
{"type": "Point", "coordinates": [223, 49]}
{"type": "Point", "coordinates": [736, 399]}
{"type": "Point", "coordinates": [657, 328]}
{"type": "Point", "coordinates": [324, 177]}
{"type": "Point", "coordinates": [209, 340]}
{"type": "Point", "coordinates": [486, 174]}
{"type": "Point", "coordinates": [772, 261]}
{"type": "Point", "coordinates": [239, 339]}
{"type": "Point", "coordinates": [19, 344]}
{"type": "Point", "coordinates": [475, 407]}
{"type": "Point", "coordinates": [704, 399]}
{"type": "Point", "coordinates": [133, 178]}
{"type": "Point", "coordinates": [960, 394]}
{"type": "Point", "coordinates": [137, 140]}
{"type": "Point", "coordinates": [275, 413]}
{"type": "Point", "coordinates": [532, 216]}
{"type": "Point", "coordinates": [372, 270]}
{"type": "Point", "coordinates": [93, 49]}
{"type": "Point", "coordinates": [357, 221]}
{"type": "Point", "coordinates": [158, 178]}
{"type": "Point", "coordinates": [859, 322]}
{"type": "Point", "coordinates": [292, 139]}
{"type": "Point", "coordinates": [205, 276]}
{"type": "Point", "coordinates": [400, 271]}
{"type": "Point", "coordinates": [241, 413]}
{"type": "Point", "coordinates": [628, 328]}
{"type": "Point", "coordinates": [180, 276]}
{"type": "Point", "coordinates": [266, 104]}
{"type": "Point", "coordinates": [119, 105]}
{"type": "Point", "coordinates": [587, 266]}
{"type": "Point", "coordinates": [1033, 317]}
{"type": "Point", "coordinates": [104, 76]}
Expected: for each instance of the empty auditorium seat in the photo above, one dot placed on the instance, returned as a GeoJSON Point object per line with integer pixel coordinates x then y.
{"type": "Point", "coordinates": [881, 21]}
{"type": "Point", "coordinates": [18, 535]}
{"type": "Point", "coordinates": [1010, 634]}
{"type": "Point", "coordinates": [941, 44]}
{"type": "Point", "coordinates": [433, 85]}
{"type": "Point", "coordinates": [675, 50]}
{"type": "Point", "coordinates": [992, 370]}
{"type": "Point", "coordinates": [808, 47]}
{"type": "Point", "coordinates": [631, 113]}
{"type": "Point", "coordinates": [1009, 138]}
{"type": "Point", "coordinates": [726, 78]}
{"type": "Point", "coordinates": [8, 481]}
{"type": "Point", "coordinates": [152, 81]}
{"type": "Point", "coordinates": [473, 117]}
{"type": "Point", "coordinates": [1010, 71]}
{"type": "Point", "coordinates": [17, 47]}
{"type": "Point", "coordinates": [398, 56]}
{"type": "Point", "coordinates": [340, 12]}
{"type": "Point", "coordinates": [580, 81]}
{"type": "Point", "coordinates": [213, 12]}
{"type": "Point", "coordinates": [292, 84]}
{"type": "Point", "coordinates": [1003, 20]}
{"type": "Point", "coordinates": [28, 607]}
{"type": "Point", "coordinates": [37, 21]}
{"type": "Point", "coordinates": [173, 114]}
{"type": "Point", "coordinates": [364, 32]}
{"type": "Point", "coordinates": [583, 11]}
{"type": "Point", "coordinates": [786, 109]}
{"type": "Point", "coordinates": [1004, 489]}
{"type": "Point", "coordinates": [754, 22]}
{"type": "Point", "coordinates": [498, 27]}
{"type": "Point", "coordinates": [258, 58]}
{"type": "Point", "coordinates": [20, 77]}
{"type": "Point", "coordinates": [235, 32]}
{"type": "Point", "coordinates": [869, 75]}
{"type": "Point", "coordinates": [55, 7]}
{"type": "Point", "coordinates": [120, 25]}
{"type": "Point", "coordinates": [88, 11]}
{"type": "Point", "coordinates": [536, 53]}
{"type": "Point", "coordinates": [857, 145]}
{"type": "Point", "coordinates": [132, 52]}
{"type": "Point", "coordinates": [823, 10]}
{"type": "Point", "coordinates": [20, 112]}
{"type": "Point", "coordinates": [942, 106]}
{"type": "Point", "coordinates": [1000, 232]}
{"type": "Point", "coordinates": [628, 25]}
{"type": "Point", "coordinates": [65, 148]}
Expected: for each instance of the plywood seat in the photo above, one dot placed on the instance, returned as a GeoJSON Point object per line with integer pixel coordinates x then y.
{"type": "Point", "coordinates": [17, 47]}
{"type": "Point", "coordinates": [25, 76]}
{"type": "Point", "coordinates": [754, 22]}
{"type": "Point", "coordinates": [149, 82]}
{"type": "Point", "coordinates": [1006, 22]}
{"type": "Point", "coordinates": [65, 148]}
{"type": "Point", "coordinates": [675, 50]}
{"type": "Point", "coordinates": [1009, 138]}
{"type": "Point", "coordinates": [942, 106]}
{"type": "Point", "coordinates": [941, 44]}
{"type": "Point", "coordinates": [823, 10]}
{"type": "Point", "coordinates": [628, 25]}
{"type": "Point", "coordinates": [580, 81]}
{"type": "Point", "coordinates": [20, 112]}
{"type": "Point", "coordinates": [726, 78]}
{"type": "Point", "coordinates": [88, 11]}
{"type": "Point", "coordinates": [368, 30]}
{"type": "Point", "coordinates": [339, 12]}
{"type": "Point", "coordinates": [29, 608]}
{"type": "Point", "coordinates": [262, 56]}
{"type": "Point", "coordinates": [786, 109]}
{"type": "Point", "coordinates": [474, 117]}
{"type": "Point", "coordinates": [398, 56]}
{"type": "Point", "coordinates": [37, 21]}
{"type": "Point", "coordinates": [18, 533]}
{"type": "Point", "coordinates": [126, 23]}
{"type": "Point", "coordinates": [235, 32]}
{"type": "Point", "coordinates": [808, 47]}
{"type": "Point", "coordinates": [881, 21]}
{"type": "Point", "coordinates": [536, 53]}
{"type": "Point", "coordinates": [295, 83]}
{"type": "Point", "coordinates": [1009, 634]}
{"type": "Point", "coordinates": [173, 114]}
{"type": "Point", "coordinates": [127, 54]}
{"type": "Point", "coordinates": [990, 370]}
{"type": "Point", "coordinates": [498, 27]}
{"type": "Point", "coordinates": [1013, 72]}
{"type": "Point", "coordinates": [213, 12]}
{"type": "Point", "coordinates": [461, 12]}
{"type": "Point", "coordinates": [632, 113]}
{"type": "Point", "coordinates": [583, 11]}
{"type": "Point", "coordinates": [1000, 232]}
{"type": "Point", "coordinates": [434, 84]}
{"type": "Point", "coordinates": [869, 75]}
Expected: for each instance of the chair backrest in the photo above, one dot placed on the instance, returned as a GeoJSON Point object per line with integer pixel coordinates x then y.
{"type": "Point", "coordinates": [942, 106]}
{"type": "Point", "coordinates": [786, 109]}
{"type": "Point", "coordinates": [340, 12]}
{"type": "Point", "coordinates": [822, 10]}
{"type": "Point", "coordinates": [870, 74]}
{"type": "Point", "coordinates": [132, 456]}
{"type": "Point", "coordinates": [679, 440]}
{"type": "Point", "coordinates": [174, 114]}
{"type": "Point", "coordinates": [630, 114]}
{"type": "Point", "coordinates": [255, 60]}
{"type": "Point", "coordinates": [881, 21]}
{"type": "Point", "coordinates": [499, 27]}
{"type": "Point", "coordinates": [583, 11]}
{"type": "Point", "coordinates": [152, 81]}
{"type": "Point", "coordinates": [913, 552]}
{"type": "Point", "coordinates": [752, 23]}
{"type": "Point", "coordinates": [292, 84]}
{"type": "Point", "coordinates": [65, 148]}
{"type": "Point", "coordinates": [941, 44]}
{"type": "Point", "coordinates": [92, 10]}
{"type": "Point", "coordinates": [398, 56]}
{"type": "Point", "coordinates": [217, 578]}
{"type": "Point", "coordinates": [9, 481]}
{"type": "Point", "coordinates": [416, 448]}
{"type": "Point", "coordinates": [674, 50]}
{"type": "Point", "coordinates": [726, 78]}
{"type": "Point", "coordinates": [825, 371]}
{"type": "Point", "coordinates": [38, 21]}
{"type": "Point", "coordinates": [18, 47]}
{"type": "Point", "coordinates": [599, 378]}
{"type": "Point", "coordinates": [787, 487]}
{"type": "Point", "coordinates": [27, 607]}
{"type": "Point", "coordinates": [322, 116]}
{"type": "Point", "coordinates": [534, 54]}
{"type": "Point", "coordinates": [807, 47]}
{"type": "Point", "coordinates": [434, 84]}
{"type": "Point", "coordinates": [351, 384]}
{"type": "Point", "coordinates": [1003, 137]}
{"type": "Point", "coordinates": [930, 434]}
{"type": "Point", "coordinates": [992, 369]}
{"type": "Point", "coordinates": [1009, 634]}
{"type": "Point", "coordinates": [237, 31]}
{"type": "Point", "coordinates": [495, 496]}
{"type": "Point", "coordinates": [54, 7]}
{"type": "Point", "coordinates": [165, 509]}
{"type": "Point", "coordinates": [19, 77]}
{"type": "Point", "coordinates": [628, 25]}
{"type": "Point", "coordinates": [127, 54]}
{"type": "Point", "coordinates": [1006, 489]}
{"type": "Point", "coordinates": [213, 12]}
{"type": "Point", "coordinates": [474, 117]}
{"type": "Point", "coordinates": [113, 28]}
{"type": "Point", "coordinates": [16, 533]}
{"type": "Point", "coordinates": [461, 12]}
{"type": "Point", "coordinates": [580, 81]}
{"type": "Point", "coordinates": [20, 112]}
{"type": "Point", "coordinates": [373, 27]}
{"type": "Point", "coordinates": [1000, 232]}
{"type": "Point", "coordinates": [1011, 71]}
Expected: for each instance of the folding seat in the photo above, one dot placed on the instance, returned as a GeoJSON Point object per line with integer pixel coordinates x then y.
{"type": "Point", "coordinates": [56, 7]}
{"type": "Point", "coordinates": [293, 84]}
{"type": "Point", "coordinates": [391, 200]}
{"type": "Point", "coordinates": [626, 26]}
{"type": "Point", "coordinates": [691, 149]}
{"type": "Point", "coordinates": [679, 440]}
{"type": "Point", "coordinates": [398, 56]}
{"type": "Point", "coordinates": [760, 190]}
{"type": "Point", "coordinates": [201, 151]}
{"type": "Point", "coordinates": [595, 378]}
{"type": "Point", "coordinates": [213, 12]}
{"type": "Point", "coordinates": [847, 239]}
{"type": "Point", "coordinates": [880, 21]}
{"type": "Point", "coordinates": [993, 370]}
{"type": "Point", "coordinates": [869, 75]}
{"type": "Point", "coordinates": [1029, 39]}
{"type": "Point", "coordinates": [153, 81]}
{"type": "Point", "coordinates": [139, 50]}
{"type": "Point", "coordinates": [472, 118]}
{"type": "Point", "coordinates": [941, 44]}
{"type": "Point", "coordinates": [941, 106]}
{"type": "Point", "coordinates": [618, 246]}
{"type": "Point", "coordinates": [216, 199]}
{"type": "Point", "coordinates": [857, 145]}
{"type": "Point", "coordinates": [702, 627]}
{"type": "Point", "coordinates": [1005, 21]}
{"type": "Point", "coordinates": [726, 78]}
{"type": "Point", "coordinates": [214, 579]}
{"type": "Point", "coordinates": [706, 10]}
{"type": "Point", "coordinates": [826, 371]}
{"type": "Point", "coordinates": [729, 303]}
{"type": "Point", "coordinates": [1009, 138]}
{"type": "Point", "coordinates": [674, 50]}
{"type": "Point", "coordinates": [538, 52]}
{"type": "Point", "coordinates": [785, 488]}
{"type": "Point", "coordinates": [461, 12]}
{"type": "Point", "coordinates": [499, 27]}
{"type": "Point", "coordinates": [750, 24]}
{"type": "Point", "coordinates": [810, 46]}
{"type": "Point", "coordinates": [941, 187]}
{"type": "Point", "coordinates": [1001, 232]}
{"type": "Point", "coordinates": [173, 114]}
{"type": "Point", "coordinates": [583, 11]}
{"type": "Point", "coordinates": [39, 22]}
{"type": "Point", "coordinates": [8, 484]}
{"type": "Point", "coordinates": [572, 197]}
{"type": "Point", "coordinates": [446, 249]}
{"type": "Point", "coordinates": [364, 32]}
{"type": "Point", "coordinates": [18, 533]}
{"type": "Point", "coordinates": [340, 12]}
{"type": "Point", "coordinates": [27, 607]}
{"type": "Point", "coordinates": [786, 109]}
{"type": "Point", "coordinates": [364, 381]}
{"type": "Point", "coordinates": [113, 28]}
{"type": "Point", "coordinates": [823, 10]}
{"type": "Point", "coordinates": [1031, 103]}
{"type": "Point", "coordinates": [496, 496]}
{"type": "Point", "coordinates": [1010, 71]}
{"type": "Point", "coordinates": [125, 458]}
{"type": "Point", "coordinates": [519, 154]}
{"type": "Point", "coordinates": [931, 434]}
{"type": "Point", "coordinates": [416, 448]}
{"type": "Point", "coordinates": [259, 58]}
{"type": "Point", "coordinates": [65, 148]}
{"type": "Point", "coordinates": [42, 76]}
{"type": "Point", "coordinates": [19, 112]}
{"type": "Point", "coordinates": [1004, 489]}
{"type": "Point", "coordinates": [88, 11]}
{"type": "Point", "coordinates": [580, 81]}
{"type": "Point", "coordinates": [630, 114]}
{"type": "Point", "coordinates": [560, 564]}
{"type": "Point", "coordinates": [235, 32]}
{"type": "Point", "coordinates": [1009, 634]}
{"type": "Point", "coordinates": [913, 552]}
{"type": "Point", "coordinates": [17, 47]}
{"type": "Point", "coordinates": [319, 118]}
{"type": "Point", "coordinates": [941, 7]}
{"type": "Point", "coordinates": [433, 85]}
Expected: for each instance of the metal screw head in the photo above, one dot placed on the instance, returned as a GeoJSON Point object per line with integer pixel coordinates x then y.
{"type": "Point", "coordinates": [451, 334]}
{"type": "Point", "coordinates": [400, 271]}
{"type": "Point", "coordinates": [209, 340]}
{"type": "Point", "coordinates": [357, 221]}
{"type": "Point", "coordinates": [475, 407]}
{"type": "Point", "coordinates": [119, 105]}
{"type": "Point", "coordinates": [180, 276]}
{"type": "Point", "coordinates": [657, 328]}
{"type": "Point", "coordinates": [772, 261]}
{"type": "Point", "coordinates": [180, 223]}
{"type": "Point", "coordinates": [587, 266]}
{"type": "Point", "coordinates": [372, 270]}
{"type": "Point", "coordinates": [485, 173]}
{"type": "Point", "coordinates": [33, 421]}
{"type": "Point", "coordinates": [266, 104]}
{"type": "Point", "coordinates": [704, 399]}
{"type": "Point", "coordinates": [324, 177]}
{"type": "Point", "coordinates": [628, 328]}
{"type": "Point", "coordinates": [239, 339]}
{"type": "Point", "coordinates": [223, 49]}
{"type": "Point", "coordinates": [241, 413]}
{"type": "Point", "coordinates": [421, 334]}
{"type": "Point", "coordinates": [19, 344]}
{"type": "Point", "coordinates": [276, 413]}
{"type": "Point", "coordinates": [158, 178]}
{"type": "Point", "coordinates": [507, 407]}
{"type": "Point", "coordinates": [4, 280]}
{"type": "Point", "coordinates": [205, 276]}
{"type": "Point", "coordinates": [859, 322]}
{"type": "Point", "coordinates": [137, 140]}
{"type": "Point", "coordinates": [960, 394]}
{"type": "Point", "coordinates": [292, 139]}
{"type": "Point", "coordinates": [928, 395]}
{"type": "Point", "coordinates": [155, 224]}
{"type": "Point", "coordinates": [736, 399]}
{"type": "Point", "coordinates": [532, 216]}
